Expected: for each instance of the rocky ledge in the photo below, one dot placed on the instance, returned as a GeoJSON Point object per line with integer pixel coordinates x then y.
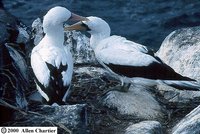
{"type": "Point", "coordinates": [181, 51]}
{"type": "Point", "coordinates": [91, 109]}
{"type": "Point", "coordinates": [13, 66]}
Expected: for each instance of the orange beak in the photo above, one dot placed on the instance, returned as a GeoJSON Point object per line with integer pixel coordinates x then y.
{"type": "Point", "coordinates": [77, 26]}
{"type": "Point", "coordinates": [75, 17]}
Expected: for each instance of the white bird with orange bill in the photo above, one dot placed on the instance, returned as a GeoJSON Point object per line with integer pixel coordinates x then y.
{"type": "Point", "coordinates": [128, 61]}
{"type": "Point", "coordinates": [51, 62]}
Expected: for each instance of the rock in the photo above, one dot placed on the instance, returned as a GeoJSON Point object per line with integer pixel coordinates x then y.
{"type": "Point", "coordinates": [19, 62]}
{"type": "Point", "coordinates": [137, 102]}
{"type": "Point", "coordinates": [13, 67]}
{"type": "Point", "coordinates": [23, 35]}
{"type": "Point", "coordinates": [77, 42]}
{"type": "Point", "coordinates": [182, 99]}
{"type": "Point", "coordinates": [37, 31]}
{"type": "Point", "coordinates": [8, 26]}
{"type": "Point", "coordinates": [12, 85]}
{"type": "Point", "coordinates": [80, 48]}
{"type": "Point", "coordinates": [13, 31]}
{"type": "Point", "coordinates": [70, 116]}
{"type": "Point", "coordinates": [13, 78]}
{"type": "Point", "coordinates": [181, 51]}
{"type": "Point", "coordinates": [189, 124]}
{"type": "Point", "coordinates": [145, 127]}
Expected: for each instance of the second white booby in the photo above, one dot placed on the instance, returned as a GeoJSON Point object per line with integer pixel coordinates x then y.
{"type": "Point", "coordinates": [130, 62]}
{"type": "Point", "coordinates": [51, 62]}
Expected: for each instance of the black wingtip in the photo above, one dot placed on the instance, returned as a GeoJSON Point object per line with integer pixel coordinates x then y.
{"type": "Point", "coordinates": [188, 79]}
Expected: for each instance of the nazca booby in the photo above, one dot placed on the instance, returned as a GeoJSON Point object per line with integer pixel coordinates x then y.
{"type": "Point", "coordinates": [51, 62]}
{"type": "Point", "coordinates": [130, 62]}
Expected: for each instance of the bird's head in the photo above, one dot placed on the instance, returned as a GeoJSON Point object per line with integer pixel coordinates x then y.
{"type": "Point", "coordinates": [57, 16]}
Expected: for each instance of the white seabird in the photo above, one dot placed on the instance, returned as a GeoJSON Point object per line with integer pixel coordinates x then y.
{"type": "Point", "coordinates": [51, 62]}
{"type": "Point", "coordinates": [130, 62]}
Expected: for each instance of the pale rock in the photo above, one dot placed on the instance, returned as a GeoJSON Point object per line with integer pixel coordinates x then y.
{"type": "Point", "coordinates": [23, 36]}
{"type": "Point", "coordinates": [137, 102]}
{"type": "Point", "coordinates": [37, 31]}
{"type": "Point", "coordinates": [181, 51]}
{"type": "Point", "coordinates": [190, 124]}
{"type": "Point", "coordinates": [145, 127]}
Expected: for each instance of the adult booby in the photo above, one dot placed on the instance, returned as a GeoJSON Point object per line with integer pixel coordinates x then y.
{"type": "Point", "coordinates": [51, 62]}
{"type": "Point", "coordinates": [129, 61]}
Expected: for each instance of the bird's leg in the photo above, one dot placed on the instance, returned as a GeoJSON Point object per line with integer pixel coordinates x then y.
{"type": "Point", "coordinates": [125, 87]}
{"type": "Point", "coordinates": [122, 88]}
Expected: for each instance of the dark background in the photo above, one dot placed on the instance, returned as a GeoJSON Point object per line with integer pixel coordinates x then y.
{"type": "Point", "coordinates": [143, 21]}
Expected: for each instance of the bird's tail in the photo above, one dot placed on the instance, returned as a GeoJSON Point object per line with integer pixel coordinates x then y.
{"type": "Point", "coordinates": [183, 85]}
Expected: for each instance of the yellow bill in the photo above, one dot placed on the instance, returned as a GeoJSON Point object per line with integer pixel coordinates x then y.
{"type": "Point", "coordinates": [80, 26]}
{"type": "Point", "coordinates": [75, 17]}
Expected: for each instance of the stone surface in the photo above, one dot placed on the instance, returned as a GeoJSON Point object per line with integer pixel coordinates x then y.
{"type": "Point", "coordinates": [19, 61]}
{"type": "Point", "coordinates": [80, 48]}
{"type": "Point", "coordinates": [12, 30]}
{"type": "Point", "coordinates": [13, 67]}
{"type": "Point", "coordinates": [12, 85]}
{"type": "Point", "coordinates": [181, 51]}
{"type": "Point", "coordinates": [190, 124]}
{"type": "Point", "coordinates": [37, 31]}
{"type": "Point", "coordinates": [137, 102]}
{"type": "Point", "coordinates": [70, 116]}
{"type": "Point", "coordinates": [179, 99]}
{"type": "Point", "coordinates": [23, 35]}
{"type": "Point", "coordinates": [8, 27]}
{"type": "Point", "coordinates": [145, 127]}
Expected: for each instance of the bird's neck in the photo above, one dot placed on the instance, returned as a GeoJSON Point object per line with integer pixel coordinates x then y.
{"type": "Point", "coordinates": [96, 38]}
{"type": "Point", "coordinates": [55, 36]}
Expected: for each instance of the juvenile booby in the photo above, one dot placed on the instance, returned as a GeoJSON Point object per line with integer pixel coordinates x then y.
{"type": "Point", "coordinates": [51, 62]}
{"type": "Point", "coordinates": [130, 62]}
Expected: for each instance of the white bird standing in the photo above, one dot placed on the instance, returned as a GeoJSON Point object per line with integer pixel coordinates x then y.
{"type": "Point", "coordinates": [51, 62]}
{"type": "Point", "coordinates": [128, 61]}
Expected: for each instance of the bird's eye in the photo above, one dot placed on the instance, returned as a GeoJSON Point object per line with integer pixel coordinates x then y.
{"type": "Point", "coordinates": [86, 26]}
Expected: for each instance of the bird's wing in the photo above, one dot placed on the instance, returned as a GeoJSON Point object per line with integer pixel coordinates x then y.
{"type": "Point", "coordinates": [118, 50]}
{"type": "Point", "coordinates": [55, 57]}
{"type": "Point", "coordinates": [130, 59]}
{"type": "Point", "coordinates": [67, 75]}
{"type": "Point", "coordinates": [40, 68]}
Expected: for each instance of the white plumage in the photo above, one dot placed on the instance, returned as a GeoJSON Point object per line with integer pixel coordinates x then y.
{"type": "Point", "coordinates": [51, 62]}
{"type": "Point", "coordinates": [128, 61]}
{"type": "Point", "coordinates": [121, 50]}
